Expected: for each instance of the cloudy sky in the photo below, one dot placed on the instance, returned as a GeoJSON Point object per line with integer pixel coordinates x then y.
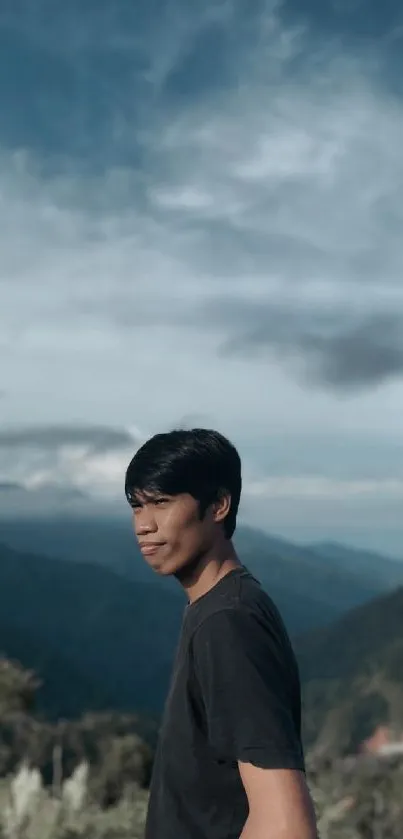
{"type": "Point", "coordinates": [201, 218]}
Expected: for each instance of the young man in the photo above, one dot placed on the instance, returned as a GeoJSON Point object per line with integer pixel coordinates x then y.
{"type": "Point", "coordinates": [229, 762]}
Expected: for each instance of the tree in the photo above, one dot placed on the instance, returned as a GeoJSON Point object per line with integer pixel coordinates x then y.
{"type": "Point", "coordinates": [18, 687]}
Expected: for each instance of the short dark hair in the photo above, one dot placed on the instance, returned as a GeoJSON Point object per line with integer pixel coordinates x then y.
{"type": "Point", "coordinates": [197, 461]}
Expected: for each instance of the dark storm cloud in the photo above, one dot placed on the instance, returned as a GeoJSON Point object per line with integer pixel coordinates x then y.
{"type": "Point", "coordinates": [50, 437]}
{"type": "Point", "coordinates": [115, 66]}
{"type": "Point", "coordinates": [359, 356]}
{"type": "Point", "coordinates": [339, 350]}
{"type": "Point", "coordinates": [107, 64]}
{"type": "Point", "coordinates": [359, 18]}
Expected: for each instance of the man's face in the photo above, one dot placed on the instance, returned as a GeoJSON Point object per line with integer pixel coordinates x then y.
{"type": "Point", "coordinates": [170, 532]}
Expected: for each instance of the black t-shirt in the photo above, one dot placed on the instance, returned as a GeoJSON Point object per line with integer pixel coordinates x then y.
{"type": "Point", "coordinates": [234, 695]}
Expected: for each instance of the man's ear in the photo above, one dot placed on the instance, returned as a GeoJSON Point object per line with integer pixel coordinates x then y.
{"type": "Point", "coordinates": [222, 506]}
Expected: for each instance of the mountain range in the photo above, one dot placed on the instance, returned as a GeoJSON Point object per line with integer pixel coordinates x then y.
{"type": "Point", "coordinates": [312, 586]}
{"type": "Point", "coordinates": [80, 607]}
{"type": "Point", "coordinates": [96, 640]}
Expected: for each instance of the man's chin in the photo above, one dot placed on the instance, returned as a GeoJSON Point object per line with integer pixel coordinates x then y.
{"type": "Point", "coordinates": [174, 567]}
{"type": "Point", "coordinates": [163, 570]}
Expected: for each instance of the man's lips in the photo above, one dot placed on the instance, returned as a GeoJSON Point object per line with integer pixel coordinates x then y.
{"type": "Point", "coordinates": [148, 548]}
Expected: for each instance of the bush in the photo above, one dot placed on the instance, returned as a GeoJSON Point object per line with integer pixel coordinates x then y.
{"type": "Point", "coordinates": [29, 811]}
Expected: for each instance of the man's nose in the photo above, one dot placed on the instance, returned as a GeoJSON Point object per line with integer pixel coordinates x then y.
{"type": "Point", "coordinates": [145, 522]}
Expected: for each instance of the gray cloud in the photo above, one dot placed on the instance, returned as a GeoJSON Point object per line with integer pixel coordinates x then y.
{"type": "Point", "coordinates": [17, 501]}
{"type": "Point", "coordinates": [363, 355]}
{"type": "Point", "coordinates": [49, 437]}
{"type": "Point", "coordinates": [341, 349]}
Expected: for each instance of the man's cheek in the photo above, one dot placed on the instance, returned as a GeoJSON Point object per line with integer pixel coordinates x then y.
{"type": "Point", "coordinates": [168, 521]}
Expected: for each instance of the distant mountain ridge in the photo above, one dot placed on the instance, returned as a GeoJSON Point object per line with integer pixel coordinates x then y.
{"type": "Point", "coordinates": [311, 589]}
{"type": "Point", "coordinates": [111, 641]}
{"type": "Point", "coordinates": [359, 560]}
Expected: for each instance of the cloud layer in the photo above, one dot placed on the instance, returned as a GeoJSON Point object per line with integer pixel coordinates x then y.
{"type": "Point", "coordinates": [202, 216]}
{"type": "Point", "coordinates": [85, 458]}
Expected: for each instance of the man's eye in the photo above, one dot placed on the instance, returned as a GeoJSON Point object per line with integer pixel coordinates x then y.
{"type": "Point", "coordinates": [161, 501]}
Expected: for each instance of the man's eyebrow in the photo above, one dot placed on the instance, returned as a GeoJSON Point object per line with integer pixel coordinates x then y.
{"type": "Point", "coordinates": [141, 498]}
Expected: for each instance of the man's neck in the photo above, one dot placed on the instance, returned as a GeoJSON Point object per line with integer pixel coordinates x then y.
{"type": "Point", "coordinates": [209, 571]}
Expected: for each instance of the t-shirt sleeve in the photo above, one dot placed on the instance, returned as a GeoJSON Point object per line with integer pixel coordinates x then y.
{"type": "Point", "coordinates": [243, 673]}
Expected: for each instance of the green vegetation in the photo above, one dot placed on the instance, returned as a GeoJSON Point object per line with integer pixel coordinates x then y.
{"type": "Point", "coordinates": [352, 674]}
{"type": "Point", "coordinates": [354, 800]}
{"type": "Point", "coordinates": [110, 743]}
{"type": "Point", "coordinates": [358, 798]}
{"type": "Point", "coordinates": [70, 778]}
{"type": "Point", "coordinates": [29, 811]}
{"type": "Point", "coordinates": [88, 778]}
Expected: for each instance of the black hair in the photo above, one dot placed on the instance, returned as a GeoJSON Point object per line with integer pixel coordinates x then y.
{"type": "Point", "coordinates": [198, 461]}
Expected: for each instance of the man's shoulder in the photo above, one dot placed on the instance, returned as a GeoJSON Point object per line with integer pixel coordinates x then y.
{"type": "Point", "coordinates": [240, 602]}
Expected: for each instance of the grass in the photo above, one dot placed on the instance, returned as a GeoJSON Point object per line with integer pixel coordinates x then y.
{"type": "Point", "coordinates": [354, 799]}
